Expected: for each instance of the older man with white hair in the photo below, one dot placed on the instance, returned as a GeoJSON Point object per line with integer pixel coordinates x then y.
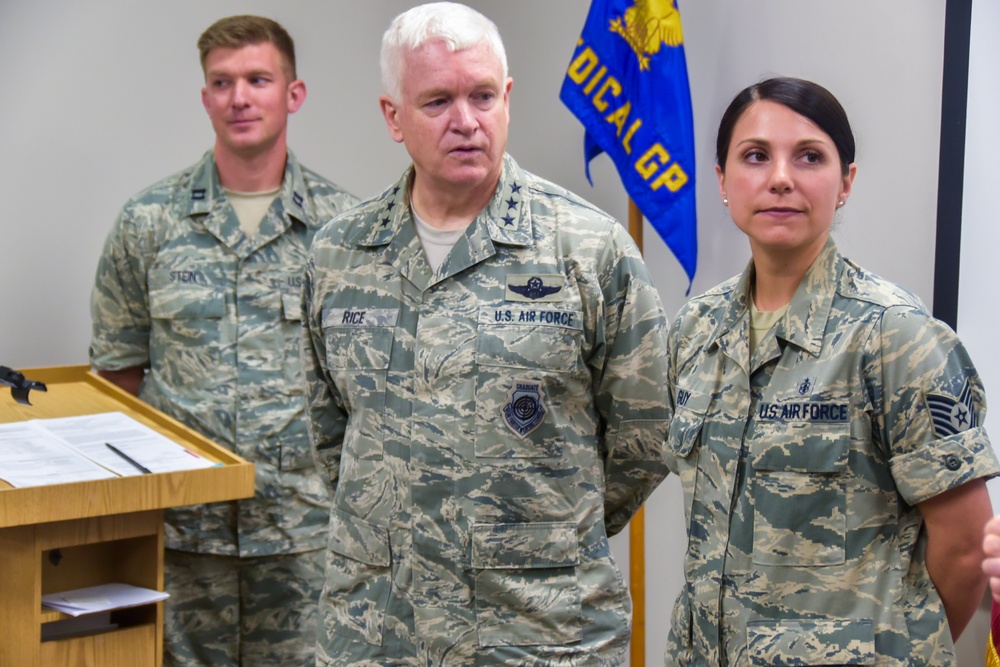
{"type": "Point", "coordinates": [485, 364]}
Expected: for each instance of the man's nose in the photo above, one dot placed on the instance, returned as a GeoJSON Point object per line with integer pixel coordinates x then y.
{"type": "Point", "coordinates": [240, 90]}
{"type": "Point", "coordinates": [463, 117]}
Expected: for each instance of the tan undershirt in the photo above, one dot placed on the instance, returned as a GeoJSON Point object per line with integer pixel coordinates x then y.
{"type": "Point", "coordinates": [437, 243]}
{"type": "Point", "coordinates": [761, 321]}
{"type": "Point", "coordinates": [251, 207]}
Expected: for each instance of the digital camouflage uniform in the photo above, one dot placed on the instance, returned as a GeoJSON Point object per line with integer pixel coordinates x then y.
{"type": "Point", "coordinates": [484, 429]}
{"type": "Point", "coordinates": [216, 316]}
{"type": "Point", "coordinates": [802, 466]}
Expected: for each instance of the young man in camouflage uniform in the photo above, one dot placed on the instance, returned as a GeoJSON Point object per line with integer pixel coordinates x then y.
{"type": "Point", "coordinates": [196, 309]}
{"type": "Point", "coordinates": [485, 364]}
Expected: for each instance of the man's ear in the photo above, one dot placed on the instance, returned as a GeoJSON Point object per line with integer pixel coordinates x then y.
{"type": "Point", "coordinates": [390, 113]}
{"type": "Point", "coordinates": [296, 95]}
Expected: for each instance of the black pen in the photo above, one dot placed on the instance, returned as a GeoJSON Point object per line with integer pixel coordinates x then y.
{"type": "Point", "coordinates": [143, 469]}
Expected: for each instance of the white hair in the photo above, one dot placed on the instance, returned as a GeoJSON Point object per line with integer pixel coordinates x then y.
{"type": "Point", "coordinates": [458, 26]}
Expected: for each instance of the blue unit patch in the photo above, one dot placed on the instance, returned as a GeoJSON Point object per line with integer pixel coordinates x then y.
{"type": "Point", "coordinates": [542, 287]}
{"type": "Point", "coordinates": [951, 415]}
{"type": "Point", "coordinates": [524, 411]}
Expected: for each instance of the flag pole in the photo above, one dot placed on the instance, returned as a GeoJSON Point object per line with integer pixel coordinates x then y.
{"type": "Point", "coordinates": [637, 527]}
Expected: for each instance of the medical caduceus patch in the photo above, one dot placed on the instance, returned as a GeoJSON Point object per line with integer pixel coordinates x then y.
{"type": "Point", "coordinates": [524, 412]}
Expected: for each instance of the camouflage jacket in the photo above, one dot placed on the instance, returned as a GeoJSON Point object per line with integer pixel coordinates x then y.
{"type": "Point", "coordinates": [802, 464]}
{"type": "Point", "coordinates": [484, 428]}
{"type": "Point", "coordinates": [216, 317]}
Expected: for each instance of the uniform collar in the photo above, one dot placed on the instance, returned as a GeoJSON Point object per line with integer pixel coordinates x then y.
{"type": "Point", "coordinates": [804, 325]}
{"type": "Point", "coordinates": [205, 193]}
{"type": "Point", "coordinates": [503, 220]}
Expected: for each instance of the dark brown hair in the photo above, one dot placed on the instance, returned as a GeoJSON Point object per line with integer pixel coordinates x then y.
{"type": "Point", "coordinates": [233, 32]}
{"type": "Point", "coordinates": [804, 98]}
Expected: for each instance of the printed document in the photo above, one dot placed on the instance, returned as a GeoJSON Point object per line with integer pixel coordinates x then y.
{"type": "Point", "coordinates": [76, 449]}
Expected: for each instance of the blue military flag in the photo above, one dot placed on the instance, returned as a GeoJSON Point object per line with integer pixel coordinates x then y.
{"type": "Point", "coordinates": [628, 85]}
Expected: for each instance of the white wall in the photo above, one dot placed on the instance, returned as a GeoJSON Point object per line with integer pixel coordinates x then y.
{"type": "Point", "coordinates": [979, 273]}
{"type": "Point", "coordinates": [99, 99]}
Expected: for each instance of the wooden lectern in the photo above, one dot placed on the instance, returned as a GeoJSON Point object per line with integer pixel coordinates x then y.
{"type": "Point", "coordinates": [66, 536]}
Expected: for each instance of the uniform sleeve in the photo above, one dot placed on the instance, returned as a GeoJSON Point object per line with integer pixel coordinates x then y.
{"type": "Point", "coordinates": [326, 418]}
{"type": "Point", "coordinates": [630, 381]}
{"type": "Point", "coordinates": [930, 405]}
{"type": "Point", "coordinates": [119, 302]}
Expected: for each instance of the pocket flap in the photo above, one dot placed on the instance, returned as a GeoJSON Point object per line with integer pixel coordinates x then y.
{"type": "Point", "coordinates": [291, 306]}
{"type": "Point", "coordinates": [811, 642]}
{"type": "Point", "coordinates": [358, 539]}
{"type": "Point", "coordinates": [808, 448]}
{"type": "Point", "coordinates": [531, 337]}
{"type": "Point", "coordinates": [685, 426]}
{"type": "Point", "coordinates": [175, 301]}
{"type": "Point", "coordinates": [525, 545]}
{"type": "Point", "coordinates": [358, 348]}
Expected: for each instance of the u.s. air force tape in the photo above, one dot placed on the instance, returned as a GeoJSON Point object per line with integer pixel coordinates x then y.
{"type": "Point", "coordinates": [811, 411]}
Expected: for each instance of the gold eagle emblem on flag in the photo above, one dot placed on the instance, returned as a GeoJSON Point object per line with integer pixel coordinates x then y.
{"type": "Point", "coordinates": [647, 26]}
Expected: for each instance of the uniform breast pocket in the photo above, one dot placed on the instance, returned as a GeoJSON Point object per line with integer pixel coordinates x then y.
{"type": "Point", "coordinates": [685, 427]}
{"type": "Point", "coordinates": [529, 374]}
{"type": "Point", "coordinates": [358, 361]}
{"type": "Point", "coordinates": [800, 472]}
{"type": "Point", "coordinates": [187, 309]}
{"type": "Point", "coordinates": [526, 584]}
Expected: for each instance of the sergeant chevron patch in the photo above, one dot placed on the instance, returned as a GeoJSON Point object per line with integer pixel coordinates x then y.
{"type": "Point", "coordinates": [951, 415]}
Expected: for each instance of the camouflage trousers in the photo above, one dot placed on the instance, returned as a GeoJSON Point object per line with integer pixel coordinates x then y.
{"type": "Point", "coordinates": [225, 611]}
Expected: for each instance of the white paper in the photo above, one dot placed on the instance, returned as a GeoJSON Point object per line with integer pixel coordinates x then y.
{"type": "Point", "coordinates": [91, 434]}
{"type": "Point", "coordinates": [101, 598]}
{"type": "Point", "coordinates": [32, 456]}
{"type": "Point", "coordinates": [75, 449]}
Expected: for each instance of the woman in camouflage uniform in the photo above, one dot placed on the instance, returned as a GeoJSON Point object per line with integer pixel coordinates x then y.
{"type": "Point", "coordinates": [827, 429]}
